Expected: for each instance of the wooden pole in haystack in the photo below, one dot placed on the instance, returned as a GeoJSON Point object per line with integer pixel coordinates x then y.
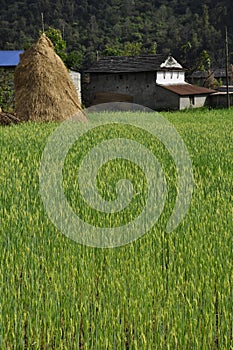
{"type": "Point", "coordinates": [42, 21]}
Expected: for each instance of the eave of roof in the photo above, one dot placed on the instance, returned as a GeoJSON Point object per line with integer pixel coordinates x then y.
{"type": "Point", "coordinates": [9, 58]}
{"type": "Point", "coordinates": [187, 89]}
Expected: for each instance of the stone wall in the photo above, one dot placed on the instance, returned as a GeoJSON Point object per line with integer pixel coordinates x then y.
{"type": "Point", "coordinates": [165, 99]}
{"type": "Point", "coordinates": [139, 88]}
{"type": "Point", "coordinates": [219, 100]}
{"type": "Point", "coordinates": [7, 89]}
{"type": "Point", "coordinates": [192, 101]}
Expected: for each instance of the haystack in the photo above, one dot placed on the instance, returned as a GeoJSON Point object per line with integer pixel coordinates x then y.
{"type": "Point", "coordinates": [44, 90]}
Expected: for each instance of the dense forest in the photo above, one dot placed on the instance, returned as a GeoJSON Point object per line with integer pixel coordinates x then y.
{"type": "Point", "coordinates": [94, 28]}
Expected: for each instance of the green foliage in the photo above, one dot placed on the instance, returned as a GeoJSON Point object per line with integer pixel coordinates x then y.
{"type": "Point", "coordinates": [106, 26]}
{"type": "Point", "coordinates": [112, 51]}
{"type": "Point", "coordinates": [132, 48]}
{"type": "Point", "coordinates": [153, 48]}
{"type": "Point", "coordinates": [205, 61]}
{"type": "Point", "coordinates": [6, 89]}
{"type": "Point", "coordinates": [74, 60]}
{"type": "Point", "coordinates": [186, 47]}
{"type": "Point", "coordinates": [55, 36]}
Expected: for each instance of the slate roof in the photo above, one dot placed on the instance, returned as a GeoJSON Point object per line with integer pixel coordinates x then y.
{"type": "Point", "coordinates": [130, 64]}
{"type": "Point", "coordinates": [218, 73]}
{"type": "Point", "coordinates": [224, 88]}
{"type": "Point", "coordinates": [9, 58]}
{"type": "Point", "coordinates": [187, 89]}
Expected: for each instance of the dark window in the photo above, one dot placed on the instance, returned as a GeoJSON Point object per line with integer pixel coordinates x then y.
{"type": "Point", "coordinates": [120, 76]}
{"type": "Point", "coordinates": [191, 100]}
{"type": "Point", "coordinates": [87, 78]}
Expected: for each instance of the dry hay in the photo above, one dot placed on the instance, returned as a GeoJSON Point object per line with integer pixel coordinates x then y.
{"type": "Point", "coordinates": [44, 90]}
{"type": "Point", "coordinates": [8, 119]}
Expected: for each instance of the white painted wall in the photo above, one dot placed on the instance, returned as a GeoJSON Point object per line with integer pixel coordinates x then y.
{"type": "Point", "coordinates": [187, 101]}
{"type": "Point", "coordinates": [170, 77]}
{"type": "Point", "coordinates": [76, 78]}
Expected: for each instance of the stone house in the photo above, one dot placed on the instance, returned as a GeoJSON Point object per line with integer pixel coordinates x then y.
{"type": "Point", "coordinates": [219, 74]}
{"type": "Point", "coordinates": [154, 81]}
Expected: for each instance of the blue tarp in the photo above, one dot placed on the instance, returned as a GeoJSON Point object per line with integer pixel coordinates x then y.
{"type": "Point", "coordinates": [9, 58]}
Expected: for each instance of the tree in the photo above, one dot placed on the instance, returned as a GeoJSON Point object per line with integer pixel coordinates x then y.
{"type": "Point", "coordinates": [205, 61]}
{"type": "Point", "coordinates": [92, 25]}
{"type": "Point", "coordinates": [74, 60]}
{"type": "Point", "coordinates": [112, 51]}
{"type": "Point", "coordinates": [55, 36]}
{"type": "Point", "coordinates": [132, 48]}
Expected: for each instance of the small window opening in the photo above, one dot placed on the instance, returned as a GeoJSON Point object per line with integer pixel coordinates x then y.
{"type": "Point", "coordinates": [191, 100]}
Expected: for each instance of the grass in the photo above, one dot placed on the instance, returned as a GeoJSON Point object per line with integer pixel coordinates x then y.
{"type": "Point", "coordinates": [162, 291]}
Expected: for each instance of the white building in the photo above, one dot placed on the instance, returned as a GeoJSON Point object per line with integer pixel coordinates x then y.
{"type": "Point", "coordinates": [76, 78]}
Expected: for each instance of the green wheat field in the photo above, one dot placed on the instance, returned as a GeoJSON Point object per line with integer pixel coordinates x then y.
{"type": "Point", "coordinates": [162, 291]}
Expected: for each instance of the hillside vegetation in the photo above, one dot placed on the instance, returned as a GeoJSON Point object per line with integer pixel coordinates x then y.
{"type": "Point", "coordinates": [180, 27]}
